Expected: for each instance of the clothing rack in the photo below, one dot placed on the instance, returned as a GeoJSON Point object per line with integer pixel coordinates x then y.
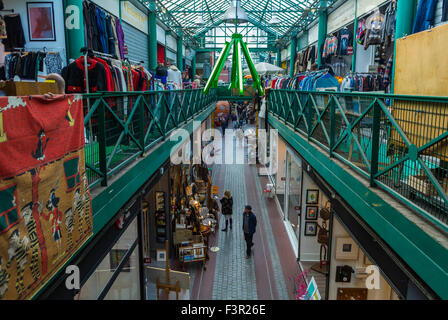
{"type": "Point", "coordinates": [22, 50]}
{"type": "Point", "coordinates": [7, 10]}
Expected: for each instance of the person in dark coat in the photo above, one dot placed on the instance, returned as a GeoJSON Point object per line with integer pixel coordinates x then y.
{"type": "Point", "coordinates": [249, 226]}
{"type": "Point", "coordinates": [227, 208]}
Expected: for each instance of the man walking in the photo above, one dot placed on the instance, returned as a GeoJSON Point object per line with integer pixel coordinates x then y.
{"type": "Point", "coordinates": [249, 226]}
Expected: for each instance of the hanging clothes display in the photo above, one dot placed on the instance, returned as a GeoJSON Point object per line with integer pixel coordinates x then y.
{"type": "Point", "coordinates": [75, 76]}
{"type": "Point", "coordinates": [103, 32]}
{"type": "Point", "coordinates": [374, 29]}
{"type": "Point", "coordinates": [425, 16]}
{"type": "Point", "coordinates": [345, 39]}
{"type": "Point", "coordinates": [363, 82]}
{"type": "Point", "coordinates": [28, 65]}
{"type": "Point", "coordinates": [390, 19]}
{"type": "Point", "coordinates": [15, 37]}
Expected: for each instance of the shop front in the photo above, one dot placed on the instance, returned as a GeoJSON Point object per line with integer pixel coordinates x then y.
{"type": "Point", "coordinates": [329, 253]}
{"type": "Point", "coordinates": [36, 38]}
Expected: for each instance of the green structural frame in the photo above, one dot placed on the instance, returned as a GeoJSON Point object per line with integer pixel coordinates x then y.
{"type": "Point", "coordinates": [321, 128]}
{"type": "Point", "coordinates": [237, 71]}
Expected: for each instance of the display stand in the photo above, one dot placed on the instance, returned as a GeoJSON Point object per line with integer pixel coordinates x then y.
{"type": "Point", "coordinates": [167, 286]}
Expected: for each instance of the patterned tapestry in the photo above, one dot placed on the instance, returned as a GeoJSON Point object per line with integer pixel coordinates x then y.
{"type": "Point", "coordinates": [45, 204]}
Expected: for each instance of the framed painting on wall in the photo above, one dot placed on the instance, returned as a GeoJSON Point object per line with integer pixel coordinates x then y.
{"type": "Point", "coordinates": [41, 25]}
{"type": "Point", "coordinates": [312, 196]}
{"type": "Point", "coordinates": [346, 249]}
{"type": "Point", "coordinates": [311, 213]}
{"type": "Point", "coordinates": [310, 229]}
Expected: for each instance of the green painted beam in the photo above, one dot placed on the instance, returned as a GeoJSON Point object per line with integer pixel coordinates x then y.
{"type": "Point", "coordinates": [292, 55]}
{"type": "Point", "coordinates": [421, 252]}
{"type": "Point", "coordinates": [179, 54]}
{"type": "Point", "coordinates": [322, 32]}
{"type": "Point", "coordinates": [152, 36]}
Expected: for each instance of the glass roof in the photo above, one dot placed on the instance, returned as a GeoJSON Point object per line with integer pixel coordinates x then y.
{"type": "Point", "coordinates": [183, 15]}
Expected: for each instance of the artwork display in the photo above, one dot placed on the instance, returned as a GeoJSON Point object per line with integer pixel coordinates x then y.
{"type": "Point", "coordinates": [310, 228]}
{"type": "Point", "coordinates": [161, 255]}
{"type": "Point", "coordinates": [346, 249]}
{"type": "Point", "coordinates": [45, 203]}
{"type": "Point", "coordinates": [312, 196]}
{"type": "Point", "coordinates": [312, 213]}
{"type": "Point", "coordinates": [41, 21]}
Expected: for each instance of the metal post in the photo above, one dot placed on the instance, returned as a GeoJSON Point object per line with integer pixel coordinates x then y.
{"type": "Point", "coordinates": [193, 66]}
{"type": "Point", "coordinates": [332, 126]}
{"type": "Point", "coordinates": [292, 55]}
{"type": "Point", "coordinates": [355, 44]}
{"type": "Point", "coordinates": [279, 57]}
{"type": "Point", "coordinates": [322, 30]}
{"type": "Point", "coordinates": [375, 142]}
{"type": "Point", "coordinates": [74, 28]}
{"type": "Point", "coordinates": [152, 35]}
{"type": "Point", "coordinates": [102, 142]}
{"type": "Point", "coordinates": [179, 53]}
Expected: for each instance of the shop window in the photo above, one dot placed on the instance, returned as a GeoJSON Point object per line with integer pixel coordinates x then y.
{"type": "Point", "coordinates": [9, 215]}
{"type": "Point", "coordinates": [127, 285]}
{"type": "Point", "coordinates": [104, 271]}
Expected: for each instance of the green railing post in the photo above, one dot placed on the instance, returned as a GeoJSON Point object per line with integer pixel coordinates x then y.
{"type": "Point", "coordinates": [375, 143]}
{"type": "Point", "coordinates": [332, 125]}
{"type": "Point", "coordinates": [141, 120]}
{"type": "Point", "coordinates": [102, 142]}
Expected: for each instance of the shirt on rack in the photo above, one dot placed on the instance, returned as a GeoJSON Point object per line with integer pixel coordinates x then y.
{"type": "Point", "coordinates": [75, 78]}
{"type": "Point", "coordinates": [15, 36]}
{"type": "Point", "coordinates": [345, 40]}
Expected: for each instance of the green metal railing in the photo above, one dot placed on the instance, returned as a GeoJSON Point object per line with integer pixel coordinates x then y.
{"type": "Point", "coordinates": [120, 127]}
{"type": "Point", "coordinates": [399, 143]}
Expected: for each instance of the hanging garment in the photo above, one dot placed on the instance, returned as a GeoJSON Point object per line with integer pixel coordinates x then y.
{"type": "Point", "coordinates": [15, 36]}
{"type": "Point", "coordinates": [75, 80]}
{"type": "Point", "coordinates": [101, 30]}
{"type": "Point", "coordinates": [53, 63]}
{"type": "Point", "coordinates": [110, 36]}
{"type": "Point", "coordinates": [87, 24]}
{"type": "Point", "coordinates": [345, 40]}
{"type": "Point", "coordinates": [374, 27]}
{"type": "Point", "coordinates": [390, 19]}
{"type": "Point", "coordinates": [3, 34]}
{"type": "Point", "coordinates": [120, 35]}
{"type": "Point", "coordinates": [445, 11]}
{"type": "Point", "coordinates": [114, 33]}
{"type": "Point", "coordinates": [425, 16]}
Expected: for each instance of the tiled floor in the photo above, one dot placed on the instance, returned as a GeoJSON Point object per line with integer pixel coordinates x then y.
{"type": "Point", "coordinates": [270, 273]}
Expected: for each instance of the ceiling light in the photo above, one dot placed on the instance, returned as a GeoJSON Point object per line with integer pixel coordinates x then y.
{"type": "Point", "coordinates": [274, 20]}
{"type": "Point", "coordinates": [235, 14]}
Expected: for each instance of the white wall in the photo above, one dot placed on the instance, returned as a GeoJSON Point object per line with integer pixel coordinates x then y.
{"type": "Point", "coordinates": [341, 16]}
{"type": "Point", "coordinates": [281, 167]}
{"type": "Point", "coordinates": [364, 6]}
{"type": "Point", "coordinates": [364, 58]}
{"type": "Point", "coordinates": [160, 34]}
{"type": "Point", "coordinates": [384, 293]}
{"type": "Point", "coordinates": [171, 43]}
{"type": "Point", "coordinates": [58, 45]}
{"type": "Point", "coordinates": [313, 34]}
{"type": "Point", "coordinates": [111, 6]}
{"type": "Point", "coordinates": [309, 247]}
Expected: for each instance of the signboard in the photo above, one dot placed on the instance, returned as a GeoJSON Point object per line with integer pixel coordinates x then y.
{"type": "Point", "coordinates": [134, 16]}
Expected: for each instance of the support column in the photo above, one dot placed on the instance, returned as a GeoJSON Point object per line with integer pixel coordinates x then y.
{"type": "Point", "coordinates": [355, 43]}
{"type": "Point", "coordinates": [322, 30]}
{"type": "Point", "coordinates": [193, 66]}
{"type": "Point", "coordinates": [279, 57]}
{"type": "Point", "coordinates": [292, 58]}
{"type": "Point", "coordinates": [74, 28]}
{"type": "Point", "coordinates": [152, 35]}
{"type": "Point", "coordinates": [405, 17]}
{"type": "Point", "coordinates": [179, 53]}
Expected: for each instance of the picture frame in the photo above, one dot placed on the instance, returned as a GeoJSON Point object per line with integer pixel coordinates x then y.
{"type": "Point", "coordinates": [115, 257]}
{"type": "Point", "coordinates": [312, 196]}
{"type": "Point", "coordinates": [346, 249]}
{"type": "Point", "coordinates": [312, 212]}
{"type": "Point", "coordinates": [41, 25]}
{"type": "Point", "coordinates": [161, 255]}
{"type": "Point", "coordinates": [310, 229]}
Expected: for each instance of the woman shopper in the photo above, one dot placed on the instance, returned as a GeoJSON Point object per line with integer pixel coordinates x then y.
{"type": "Point", "coordinates": [227, 208]}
